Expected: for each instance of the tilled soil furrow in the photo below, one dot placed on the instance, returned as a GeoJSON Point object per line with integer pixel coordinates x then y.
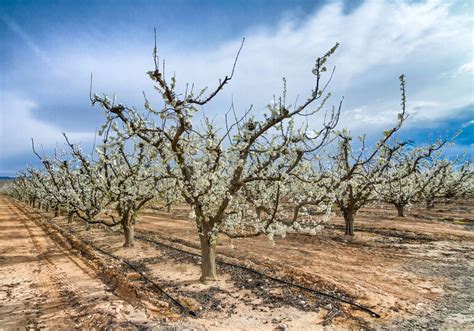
{"type": "Point", "coordinates": [43, 285]}
{"type": "Point", "coordinates": [410, 271]}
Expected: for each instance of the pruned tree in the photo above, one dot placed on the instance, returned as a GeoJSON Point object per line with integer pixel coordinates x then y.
{"type": "Point", "coordinates": [110, 189]}
{"type": "Point", "coordinates": [401, 184]}
{"type": "Point", "coordinates": [459, 179]}
{"type": "Point", "coordinates": [356, 171]}
{"type": "Point", "coordinates": [22, 189]}
{"type": "Point", "coordinates": [70, 179]}
{"type": "Point", "coordinates": [221, 171]}
{"type": "Point", "coordinates": [130, 178]}
{"type": "Point", "coordinates": [444, 179]}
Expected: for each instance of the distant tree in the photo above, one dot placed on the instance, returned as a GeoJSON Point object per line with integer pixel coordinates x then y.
{"type": "Point", "coordinates": [459, 179]}
{"type": "Point", "coordinates": [357, 171]}
{"type": "Point", "coordinates": [129, 178]}
{"type": "Point", "coordinates": [444, 179]}
{"type": "Point", "coordinates": [21, 189]}
{"type": "Point", "coordinates": [109, 190]}
{"type": "Point", "coordinates": [70, 179]}
{"type": "Point", "coordinates": [401, 184]}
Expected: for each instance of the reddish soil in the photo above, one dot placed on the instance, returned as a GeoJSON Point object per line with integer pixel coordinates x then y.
{"type": "Point", "coordinates": [45, 285]}
{"type": "Point", "coordinates": [416, 272]}
{"type": "Point", "coordinates": [401, 267]}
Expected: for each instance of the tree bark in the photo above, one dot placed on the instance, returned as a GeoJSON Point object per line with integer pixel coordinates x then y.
{"type": "Point", "coordinates": [168, 209]}
{"type": "Point", "coordinates": [349, 222]}
{"type": "Point", "coordinates": [208, 258]}
{"type": "Point", "coordinates": [400, 210]}
{"type": "Point", "coordinates": [70, 216]}
{"type": "Point", "coordinates": [56, 212]}
{"type": "Point", "coordinates": [429, 204]}
{"type": "Point", "coordinates": [128, 230]}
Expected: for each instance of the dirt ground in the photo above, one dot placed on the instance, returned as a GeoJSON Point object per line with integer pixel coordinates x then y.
{"type": "Point", "coordinates": [415, 272]}
{"type": "Point", "coordinates": [44, 285]}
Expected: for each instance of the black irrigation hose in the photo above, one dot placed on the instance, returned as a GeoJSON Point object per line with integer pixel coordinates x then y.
{"type": "Point", "coordinates": [192, 313]}
{"type": "Point", "coordinates": [142, 274]}
{"type": "Point", "coordinates": [365, 309]}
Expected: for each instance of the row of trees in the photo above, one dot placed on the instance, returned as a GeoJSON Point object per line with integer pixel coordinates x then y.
{"type": "Point", "coordinates": [252, 175]}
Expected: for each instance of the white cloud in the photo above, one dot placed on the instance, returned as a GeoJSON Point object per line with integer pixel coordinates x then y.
{"type": "Point", "coordinates": [467, 124]}
{"type": "Point", "coordinates": [379, 40]}
{"type": "Point", "coordinates": [466, 68]}
{"type": "Point", "coordinates": [19, 125]}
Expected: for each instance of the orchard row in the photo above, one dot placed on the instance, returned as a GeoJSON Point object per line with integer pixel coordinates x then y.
{"type": "Point", "coordinates": [241, 175]}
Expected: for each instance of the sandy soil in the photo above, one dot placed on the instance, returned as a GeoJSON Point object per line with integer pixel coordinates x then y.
{"type": "Point", "coordinates": [44, 285]}
{"type": "Point", "coordinates": [418, 268]}
{"type": "Point", "coordinates": [416, 272]}
{"type": "Point", "coordinates": [238, 301]}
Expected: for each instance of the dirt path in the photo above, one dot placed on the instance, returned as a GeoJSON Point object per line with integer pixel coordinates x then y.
{"type": "Point", "coordinates": [45, 286]}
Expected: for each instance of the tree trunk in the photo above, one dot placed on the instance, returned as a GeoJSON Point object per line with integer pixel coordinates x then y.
{"type": "Point", "coordinates": [129, 233]}
{"type": "Point", "coordinates": [70, 216]}
{"type": "Point", "coordinates": [168, 209]}
{"type": "Point", "coordinates": [349, 222]}
{"type": "Point", "coordinates": [400, 210]}
{"type": "Point", "coordinates": [56, 212]}
{"type": "Point", "coordinates": [429, 204]}
{"type": "Point", "coordinates": [47, 208]}
{"type": "Point", "coordinates": [208, 258]}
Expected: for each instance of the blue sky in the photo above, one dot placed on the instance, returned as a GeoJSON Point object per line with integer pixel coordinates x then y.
{"type": "Point", "coordinates": [49, 48]}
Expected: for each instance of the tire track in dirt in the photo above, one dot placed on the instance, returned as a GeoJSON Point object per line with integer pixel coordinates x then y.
{"type": "Point", "coordinates": [44, 285]}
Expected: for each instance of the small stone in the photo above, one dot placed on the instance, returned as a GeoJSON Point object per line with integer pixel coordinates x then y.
{"type": "Point", "coordinates": [302, 302]}
{"type": "Point", "coordinates": [282, 327]}
{"type": "Point", "coordinates": [328, 307]}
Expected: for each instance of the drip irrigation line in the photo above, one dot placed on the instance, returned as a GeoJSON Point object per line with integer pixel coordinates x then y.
{"type": "Point", "coordinates": [278, 280]}
{"type": "Point", "coordinates": [145, 277]}
{"type": "Point", "coordinates": [131, 266]}
{"type": "Point", "coordinates": [192, 313]}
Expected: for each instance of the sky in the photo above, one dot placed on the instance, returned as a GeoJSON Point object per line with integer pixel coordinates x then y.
{"type": "Point", "coordinates": [48, 50]}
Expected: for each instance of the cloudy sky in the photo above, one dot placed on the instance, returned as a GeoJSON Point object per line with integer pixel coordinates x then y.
{"type": "Point", "coordinates": [49, 48]}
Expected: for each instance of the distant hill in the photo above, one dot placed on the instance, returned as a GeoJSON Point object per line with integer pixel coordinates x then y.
{"type": "Point", "coordinates": [6, 178]}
